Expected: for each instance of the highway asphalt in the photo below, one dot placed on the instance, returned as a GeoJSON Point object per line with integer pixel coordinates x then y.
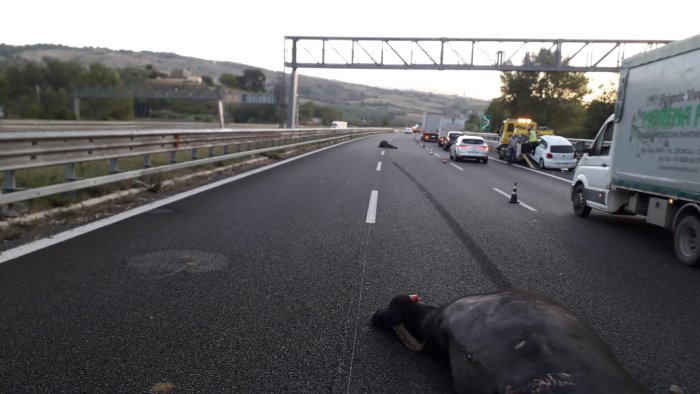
{"type": "Point", "coordinates": [267, 284]}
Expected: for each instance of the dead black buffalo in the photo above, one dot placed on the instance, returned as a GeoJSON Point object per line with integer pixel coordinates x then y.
{"type": "Point", "coordinates": [509, 342]}
{"type": "Point", "coordinates": [384, 144]}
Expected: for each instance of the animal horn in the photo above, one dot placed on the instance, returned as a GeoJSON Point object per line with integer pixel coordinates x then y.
{"type": "Point", "coordinates": [409, 340]}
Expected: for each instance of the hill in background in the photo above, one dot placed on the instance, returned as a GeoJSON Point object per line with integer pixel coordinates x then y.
{"type": "Point", "coordinates": [358, 102]}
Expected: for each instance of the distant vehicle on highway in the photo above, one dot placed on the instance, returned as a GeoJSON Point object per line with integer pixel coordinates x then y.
{"type": "Point", "coordinates": [554, 152]}
{"type": "Point", "coordinates": [442, 137]}
{"type": "Point", "coordinates": [450, 139]}
{"type": "Point", "coordinates": [430, 137]}
{"type": "Point", "coordinates": [470, 147]}
{"type": "Point", "coordinates": [338, 124]}
{"type": "Point", "coordinates": [407, 130]}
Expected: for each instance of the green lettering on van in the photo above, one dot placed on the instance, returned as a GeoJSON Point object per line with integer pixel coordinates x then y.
{"type": "Point", "coordinates": [668, 117]}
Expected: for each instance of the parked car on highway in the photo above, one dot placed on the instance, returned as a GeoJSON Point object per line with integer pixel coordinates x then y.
{"type": "Point", "coordinates": [470, 147]}
{"type": "Point", "coordinates": [450, 139]}
{"type": "Point", "coordinates": [430, 137]}
{"type": "Point", "coordinates": [554, 151]}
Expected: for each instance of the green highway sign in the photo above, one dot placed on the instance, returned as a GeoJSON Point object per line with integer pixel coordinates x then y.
{"type": "Point", "coordinates": [486, 122]}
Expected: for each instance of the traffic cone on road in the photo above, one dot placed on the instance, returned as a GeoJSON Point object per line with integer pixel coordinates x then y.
{"type": "Point", "coordinates": [514, 194]}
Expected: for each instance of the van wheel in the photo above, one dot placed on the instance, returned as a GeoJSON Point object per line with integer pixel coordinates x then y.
{"type": "Point", "coordinates": [541, 164]}
{"type": "Point", "coordinates": [501, 155]}
{"type": "Point", "coordinates": [579, 199]}
{"type": "Point", "coordinates": [687, 241]}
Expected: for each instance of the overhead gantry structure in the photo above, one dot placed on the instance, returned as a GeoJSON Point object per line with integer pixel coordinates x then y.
{"type": "Point", "coordinates": [485, 54]}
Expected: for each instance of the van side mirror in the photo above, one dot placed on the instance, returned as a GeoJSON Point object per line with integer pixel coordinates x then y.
{"type": "Point", "coordinates": [580, 146]}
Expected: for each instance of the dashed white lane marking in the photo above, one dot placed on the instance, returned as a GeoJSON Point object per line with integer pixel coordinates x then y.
{"type": "Point", "coordinates": [379, 166]}
{"type": "Point", "coordinates": [535, 171]}
{"type": "Point", "coordinates": [456, 166]}
{"type": "Point", "coordinates": [521, 203]}
{"type": "Point", "coordinates": [382, 153]}
{"type": "Point", "coordinates": [372, 209]}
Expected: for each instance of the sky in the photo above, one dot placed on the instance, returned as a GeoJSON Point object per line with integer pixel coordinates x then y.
{"type": "Point", "coordinates": [252, 32]}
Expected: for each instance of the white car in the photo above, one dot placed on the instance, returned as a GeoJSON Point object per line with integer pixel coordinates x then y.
{"type": "Point", "coordinates": [407, 130]}
{"type": "Point", "coordinates": [470, 147]}
{"type": "Point", "coordinates": [554, 151]}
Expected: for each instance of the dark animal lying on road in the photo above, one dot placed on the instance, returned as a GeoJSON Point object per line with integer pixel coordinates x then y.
{"type": "Point", "coordinates": [384, 144]}
{"type": "Point", "coordinates": [509, 342]}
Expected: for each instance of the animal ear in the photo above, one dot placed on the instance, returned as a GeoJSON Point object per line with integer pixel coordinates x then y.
{"type": "Point", "coordinates": [414, 298]}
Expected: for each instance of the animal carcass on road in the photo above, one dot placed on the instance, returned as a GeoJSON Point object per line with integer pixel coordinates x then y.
{"type": "Point", "coordinates": [509, 342]}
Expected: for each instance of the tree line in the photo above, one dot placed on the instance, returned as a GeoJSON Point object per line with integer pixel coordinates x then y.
{"type": "Point", "coordinates": [552, 99]}
{"type": "Point", "coordinates": [45, 90]}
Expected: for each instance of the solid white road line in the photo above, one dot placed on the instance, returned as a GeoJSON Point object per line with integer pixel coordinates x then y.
{"type": "Point", "coordinates": [379, 166]}
{"type": "Point", "coordinates": [72, 233]}
{"type": "Point", "coordinates": [521, 203]}
{"type": "Point", "coordinates": [535, 171]}
{"type": "Point", "coordinates": [382, 153]}
{"type": "Point", "coordinates": [372, 209]}
{"type": "Point", "coordinates": [528, 207]}
{"type": "Point", "coordinates": [456, 166]}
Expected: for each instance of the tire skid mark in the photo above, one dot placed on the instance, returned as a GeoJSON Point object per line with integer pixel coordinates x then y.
{"type": "Point", "coordinates": [487, 266]}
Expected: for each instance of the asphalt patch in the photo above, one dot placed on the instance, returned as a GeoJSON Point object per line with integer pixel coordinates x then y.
{"type": "Point", "coordinates": [171, 262]}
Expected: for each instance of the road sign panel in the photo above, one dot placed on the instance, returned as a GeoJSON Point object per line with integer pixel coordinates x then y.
{"type": "Point", "coordinates": [486, 122]}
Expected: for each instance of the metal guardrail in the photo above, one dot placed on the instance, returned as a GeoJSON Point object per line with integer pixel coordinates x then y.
{"type": "Point", "coordinates": [25, 150]}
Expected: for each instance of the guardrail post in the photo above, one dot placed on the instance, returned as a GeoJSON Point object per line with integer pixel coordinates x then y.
{"type": "Point", "coordinates": [221, 114]}
{"type": "Point", "coordinates": [173, 157]}
{"type": "Point", "coordinates": [194, 154]}
{"type": "Point", "coordinates": [147, 161]}
{"type": "Point", "coordinates": [70, 172]}
{"type": "Point", "coordinates": [226, 149]}
{"type": "Point", "coordinates": [8, 182]}
{"type": "Point", "coordinates": [211, 152]}
{"type": "Point", "coordinates": [113, 166]}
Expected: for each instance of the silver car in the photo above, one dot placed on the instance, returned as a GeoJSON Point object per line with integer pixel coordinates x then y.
{"type": "Point", "coordinates": [470, 147]}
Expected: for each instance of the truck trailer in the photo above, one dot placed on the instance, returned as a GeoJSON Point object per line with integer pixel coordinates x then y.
{"type": "Point", "coordinates": [339, 124]}
{"type": "Point", "coordinates": [645, 160]}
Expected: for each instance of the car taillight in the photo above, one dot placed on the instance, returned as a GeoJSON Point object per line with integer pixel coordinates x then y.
{"type": "Point", "coordinates": [464, 146]}
{"type": "Point", "coordinates": [550, 156]}
{"type": "Point", "coordinates": [483, 147]}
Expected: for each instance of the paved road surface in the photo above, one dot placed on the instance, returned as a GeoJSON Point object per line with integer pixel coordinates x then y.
{"type": "Point", "coordinates": [267, 284]}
